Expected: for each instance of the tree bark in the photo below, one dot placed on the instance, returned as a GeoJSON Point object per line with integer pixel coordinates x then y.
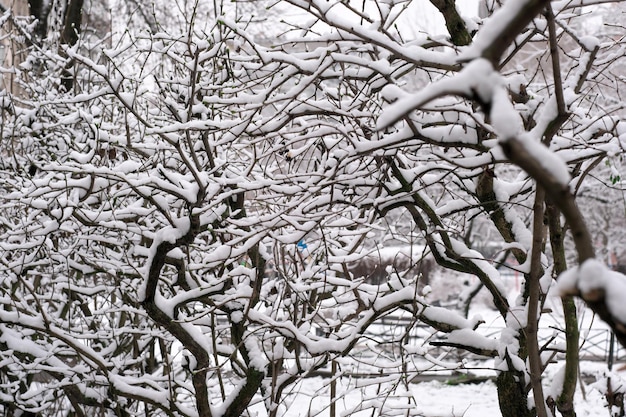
{"type": "Point", "coordinates": [535, 364]}
{"type": "Point", "coordinates": [512, 394]}
{"type": "Point", "coordinates": [506, 34]}
{"type": "Point", "coordinates": [454, 22]}
{"type": "Point", "coordinates": [39, 10]}
{"type": "Point", "coordinates": [565, 401]}
{"type": "Point", "coordinates": [69, 37]}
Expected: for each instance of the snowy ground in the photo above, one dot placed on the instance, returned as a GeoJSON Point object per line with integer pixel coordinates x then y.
{"type": "Point", "coordinates": [439, 398]}
{"type": "Point", "coordinates": [444, 396]}
{"type": "Point", "coordinates": [436, 399]}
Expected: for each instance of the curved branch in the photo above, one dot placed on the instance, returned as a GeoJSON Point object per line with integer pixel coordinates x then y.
{"type": "Point", "coordinates": [199, 376]}
{"type": "Point", "coordinates": [558, 192]}
{"type": "Point", "coordinates": [563, 198]}
{"type": "Point", "coordinates": [490, 353]}
{"type": "Point", "coordinates": [452, 260]}
{"type": "Point", "coordinates": [454, 22]}
{"type": "Point", "coordinates": [503, 27]}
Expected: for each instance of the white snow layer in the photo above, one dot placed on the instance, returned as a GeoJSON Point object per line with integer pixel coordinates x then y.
{"type": "Point", "coordinates": [595, 279]}
{"type": "Point", "coordinates": [478, 78]}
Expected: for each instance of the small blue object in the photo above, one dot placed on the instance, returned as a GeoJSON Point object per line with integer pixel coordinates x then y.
{"type": "Point", "coordinates": [301, 245]}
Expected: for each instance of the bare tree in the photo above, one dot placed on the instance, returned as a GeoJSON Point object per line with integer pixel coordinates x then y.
{"type": "Point", "coordinates": [180, 222]}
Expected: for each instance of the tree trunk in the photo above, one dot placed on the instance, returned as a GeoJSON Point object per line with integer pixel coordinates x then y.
{"type": "Point", "coordinates": [39, 10]}
{"type": "Point", "coordinates": [454, 22]}
{"type": "Point", "coordinates": [69, 37]}
{"type": "Point", "coordinates": [512, 395]}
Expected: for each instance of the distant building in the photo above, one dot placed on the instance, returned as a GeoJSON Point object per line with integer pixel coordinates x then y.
{"type": "Point", "coordinates": [12, 46]}
{"type": "Point", "coordinates": [19, 7]}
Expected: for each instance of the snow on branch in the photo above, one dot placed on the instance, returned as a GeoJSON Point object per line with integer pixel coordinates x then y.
{"type": "Point", "coordinates": [601, 288]}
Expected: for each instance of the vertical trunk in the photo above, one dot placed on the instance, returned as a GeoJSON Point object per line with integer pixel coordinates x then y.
{"type": "Point", "coordinates": [535, 364]}
{"type": "Point", "coordinates": [512, 396]}
{"type": "Point", "coordinates": [333, 389]}
{"type": "Point", "coordinates": [455, 24]}
{"type": "Point", "coordinates": [565, 401]}
{"type": "Point", "coordinates": [69, 37]}
{"type": "Point", "coordinates": [512, 392]}
{"type": "Point", "coordinates": [39, 10]}
{"type": "Point", "coordinates": [13, 49]}
{"type": "Point", "coordinates": [71, 23]}
{"type": "Point", "coordinates": [512, 384]}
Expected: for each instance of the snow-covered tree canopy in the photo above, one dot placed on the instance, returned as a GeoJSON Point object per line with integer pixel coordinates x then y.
{"type": "Point", "coordinates": [184, 202]}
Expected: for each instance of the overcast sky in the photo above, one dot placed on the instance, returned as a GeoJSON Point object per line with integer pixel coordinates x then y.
{"type": "Point", "coordinates": [427, 16]}
{"type": "Point", "coordinates": [421, 16]}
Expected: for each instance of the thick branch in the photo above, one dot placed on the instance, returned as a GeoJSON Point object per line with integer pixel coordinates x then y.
{"type": "Point", "coordinates": [534, 300]}
{"type": "Point", "coordinates": [199, 377]}
{"type": "Point", "coordinates": [558, 193]}
{"type": "Point", "coordinates": [40, 10]}
{"type": "Point", "coordinates": [254, 377]}
{"type": "Point", "coordinates": [455, 262]}
{"type": "Point", "coordinates": [505, 34]}
{"type": "Point", "coordinates": [562, 113]}
{"type": "Point", "coordinates": [489, 201]}
{"type": "Point", "coordinates": [490, 353]}
{"type": "Point", "coordinates": [562, 197]}
{"type": "Point", "coordinates": [69, 36]}
{"type": "Point", "coordinates": [565, 401]}
{"type": "Point", "coordinates": [454, 22]}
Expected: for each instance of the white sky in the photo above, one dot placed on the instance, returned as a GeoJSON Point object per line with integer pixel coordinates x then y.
{"type": "Point", "coordinates": [428, 18]}
{"type": "Point", "coordinates": [421, 16]}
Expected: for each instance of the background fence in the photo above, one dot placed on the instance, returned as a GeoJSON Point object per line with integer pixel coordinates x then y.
{"type": "Point", "coordinates": [596, 344]}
